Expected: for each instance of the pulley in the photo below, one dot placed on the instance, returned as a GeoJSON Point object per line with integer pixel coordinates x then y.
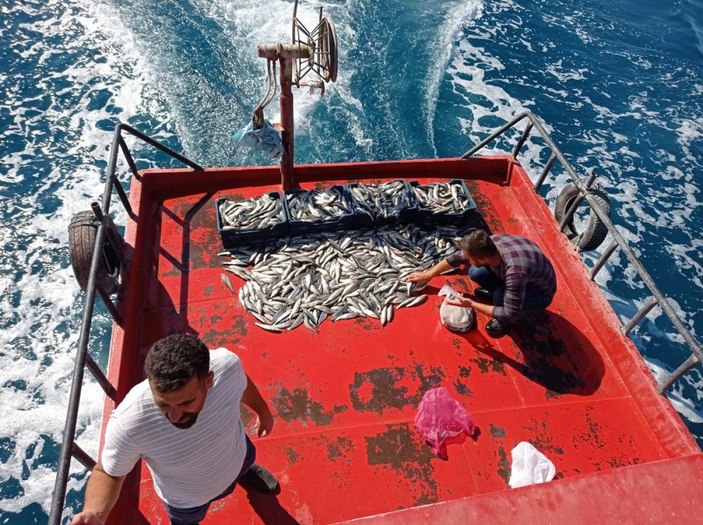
{"type": "Point", "coordinates": [323, 42]}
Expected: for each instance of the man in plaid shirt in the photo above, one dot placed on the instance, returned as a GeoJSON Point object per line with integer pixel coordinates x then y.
{"type": "Point", "coordinates": [512, 274]}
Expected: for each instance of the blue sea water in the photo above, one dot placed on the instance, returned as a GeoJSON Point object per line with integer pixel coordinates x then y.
{"type": "Point", "coordinates": [617, 82]}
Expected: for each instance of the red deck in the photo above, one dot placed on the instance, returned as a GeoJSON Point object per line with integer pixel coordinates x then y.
{"type": "Point", "coordinates": [344, 444]}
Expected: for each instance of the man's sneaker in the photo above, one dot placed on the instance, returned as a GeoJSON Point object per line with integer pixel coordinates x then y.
{"type": "Point", "coordinates": [483, 295]}
{"type": "Point", "coordinates": [496, 329]}
{"type": "Point", "coordinates": [257, 477]}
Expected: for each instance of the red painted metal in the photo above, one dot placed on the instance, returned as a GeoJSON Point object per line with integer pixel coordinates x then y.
{"type": "Point", "coordinates": [344, 446]}
{"type": "Point", "coordinates": [286, 54]}
{"type": "Point", "coordinates": [658, 492]}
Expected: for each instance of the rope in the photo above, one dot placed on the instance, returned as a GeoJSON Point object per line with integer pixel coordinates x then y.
{"type": "Point", "coordinates": [258, 116]}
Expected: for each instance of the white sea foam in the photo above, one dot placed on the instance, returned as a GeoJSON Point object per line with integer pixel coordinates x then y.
{"type": "Point", "coordinates": [40, 302]}
{"type": "Point", "coordinates": [564, 74]}
{"type": "Point", "coordinates": [680, 395]}
{"type": "Point", "coordinates": [457, 17]}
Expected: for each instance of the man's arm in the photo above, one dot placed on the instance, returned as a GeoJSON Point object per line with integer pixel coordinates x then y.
{"type": "Point", "coordinates": [424, 277]}
{"type": "Point", "coordinates": [467, 302]}
{"type": "Point", "coordinates": [101, 495]}
{"type": "Point", "coordinates": [252, 398]}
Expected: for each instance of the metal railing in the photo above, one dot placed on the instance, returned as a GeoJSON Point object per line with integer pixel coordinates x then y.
{"type": "Point", "coordinates": [656, 298]}
{"type": "Point", "coordinates": [69, 448]}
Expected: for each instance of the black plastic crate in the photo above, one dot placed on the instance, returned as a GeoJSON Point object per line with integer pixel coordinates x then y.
{"type": "Point", "coordinates": [433, 216]}
{"type": "Point", "coordinates": [301, 227]}
{"type": "Point", "coordinates": [369, 214]}
{"type": "Point", "coordinates": [233, 237]}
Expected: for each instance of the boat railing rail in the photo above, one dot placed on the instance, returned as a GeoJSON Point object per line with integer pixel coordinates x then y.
{"type": "Point", "coordinates": [618, 241]}
{"type": "Point", "coordinates": [104, 234]}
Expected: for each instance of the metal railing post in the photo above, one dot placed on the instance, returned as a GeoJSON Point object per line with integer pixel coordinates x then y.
{"type": "Point", "coordinates": [545, 171]}
{"type": "Point", "coordinates": [650, 303]}
{"type": "Point", "coordinates": [603, 259]}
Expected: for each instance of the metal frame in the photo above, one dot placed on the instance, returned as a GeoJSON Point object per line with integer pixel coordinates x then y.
{"type": "Point", "coordinates": [656, 298]}
{"type": "Point", "coordinates": [69, 448]}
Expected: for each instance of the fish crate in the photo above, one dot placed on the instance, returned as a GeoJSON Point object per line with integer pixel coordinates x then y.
{"type": "Point", "coordinates": [317, 204]}
{"type": "Point", "coordinates": [382, 206]}
{"type": "Point", "coordinates": [253, 231]}
{"type": "Point", "coordinates": [452, 203]}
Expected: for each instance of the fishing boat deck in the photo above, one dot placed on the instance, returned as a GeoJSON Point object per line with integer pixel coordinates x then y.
{"type": "Point", "coordinates": [344, 444]}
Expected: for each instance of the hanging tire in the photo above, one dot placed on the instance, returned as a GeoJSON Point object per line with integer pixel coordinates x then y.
{"type": "Point", "coordinates": [82, 232]}
{"type": "Point", "coordinates": [596, 231]}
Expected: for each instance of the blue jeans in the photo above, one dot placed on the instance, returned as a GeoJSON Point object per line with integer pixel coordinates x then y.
{"type": "Point", "coordinates": [485, 278]}
{"type": "Point", "coordinates": [193, 515]}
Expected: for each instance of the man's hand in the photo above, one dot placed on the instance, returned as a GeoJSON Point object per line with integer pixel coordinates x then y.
{"type": "Point", "coordinates": [460, 300]}
{"type": "Point", "coordinates": [252, 398]}
{"type": "Point", "coordinates": [420, 277]}
{"type": "Point", "coordinates": [264, 424]}
{"type": "Point", "coordinates": [87, 518]}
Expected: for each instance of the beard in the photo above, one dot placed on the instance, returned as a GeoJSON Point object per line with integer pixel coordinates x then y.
{"type": "Point", "coordinates": [186, 421]}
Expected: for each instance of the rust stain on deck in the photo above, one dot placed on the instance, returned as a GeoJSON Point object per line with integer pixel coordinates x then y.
{"type": "Point", "coordinates": [461, 387]}
{"type": "Point", "coordinates": [297, 405]}
{"type": "Point", "coordinates": [486, 365]}
{"type": "Point", "coordinates": [503, 465]}
{"type": "Point", "coordinates": [291, 454]}
{"type": "Point", "coordinates": [497, 432]}
{"type": "Point", "coordinates": [239, 325]}
{"type": "Point", "coordinates": [398, 450]}
{"type": "Point", "coordinates": [542, 438]}
{"type": "Point", "coordinates": [340, 448]}
{"type": "Point", "coordinates": [381, 388]}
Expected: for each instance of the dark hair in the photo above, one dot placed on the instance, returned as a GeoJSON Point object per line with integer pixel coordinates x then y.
{"type": "Point", "coordinates": [174, 360]}
{"type": "Point", "coordinates": [477, 242]}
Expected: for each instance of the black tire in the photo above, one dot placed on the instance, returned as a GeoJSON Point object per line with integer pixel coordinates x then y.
{"type": "Point", "coordinates": [596, 231]}
{"type": "Point", "coordinates": [82, 231]}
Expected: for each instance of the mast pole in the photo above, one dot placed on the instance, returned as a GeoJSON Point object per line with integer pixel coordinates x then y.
{"type": "Point", "coordinates": [286, 54]}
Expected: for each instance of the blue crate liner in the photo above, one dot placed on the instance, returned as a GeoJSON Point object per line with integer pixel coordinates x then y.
{"type": "Point", "coordinates": [427, 216]}
{"type": "Point", "coordinates": [301, 227]}
{"type": "Point", "coordinates": [233, 238]}
{"type": "Point", "coordinates": [364, 219]}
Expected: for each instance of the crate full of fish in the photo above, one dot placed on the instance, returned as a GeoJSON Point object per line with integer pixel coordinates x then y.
{"type": "Point", "coordinates": [443, 202]}
{"type": "Point", "coordinates": [251, 221]}
{"type": "Point", "coordinates": [389, 203]}
{"type": "Point", "coordinates": [318, 210]}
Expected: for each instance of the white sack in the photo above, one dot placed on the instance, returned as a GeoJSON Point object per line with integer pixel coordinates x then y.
{"type": "Point", "coordinates": [530, 466]}
{"type": "Point", "coordinates": [456, 318]}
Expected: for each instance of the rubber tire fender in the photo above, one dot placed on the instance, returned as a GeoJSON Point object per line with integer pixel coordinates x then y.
{"type": "Point", "coordinates": [596, 231]}
{"type": "Point", "coordinates": [82, 232]}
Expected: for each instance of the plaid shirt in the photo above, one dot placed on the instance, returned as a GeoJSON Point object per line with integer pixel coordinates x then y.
{"type": "Point", "coordinates": [523, 265]}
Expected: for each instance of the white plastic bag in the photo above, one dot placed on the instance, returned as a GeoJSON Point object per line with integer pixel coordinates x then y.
{"type": "Point", "coordinates": [456, 318]}
{"type": "Point", "coordinates": [530, 466]}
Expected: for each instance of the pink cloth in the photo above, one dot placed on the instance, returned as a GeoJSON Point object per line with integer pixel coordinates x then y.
{"type": "Point", "coordinates": [441, 420]}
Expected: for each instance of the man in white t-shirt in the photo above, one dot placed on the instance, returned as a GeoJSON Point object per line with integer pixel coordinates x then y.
{"type": "Point", "coordinates": [170, 420]}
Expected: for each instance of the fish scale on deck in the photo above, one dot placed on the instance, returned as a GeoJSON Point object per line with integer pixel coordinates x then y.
{"type": "Point", "coordinates": [336, 275]}
{"type": "Point", "coordinates": [344, 274]}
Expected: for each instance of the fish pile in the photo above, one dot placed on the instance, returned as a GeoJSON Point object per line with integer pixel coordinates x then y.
{"type": "Point", "coordinates": [381, 201]}
{"type": "Point", "coordinates": [318, 205]}
{"type": "Point", "coordinates": [258, 213]}
{"type": "Point", "coordinates": [442, 197]}
{"type": "Point", "coordinates": [336, 275]}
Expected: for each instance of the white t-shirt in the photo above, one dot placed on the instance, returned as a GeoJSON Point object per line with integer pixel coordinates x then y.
{"type": "Point", "coordinates": [189, 466]}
